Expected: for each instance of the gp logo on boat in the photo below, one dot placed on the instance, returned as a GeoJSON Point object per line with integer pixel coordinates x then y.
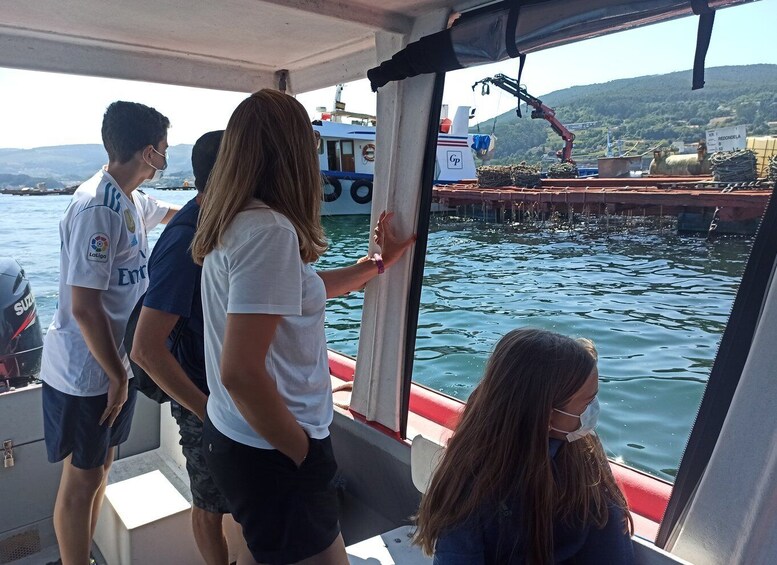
{"type": "Point", "coordinates": [98, 248]}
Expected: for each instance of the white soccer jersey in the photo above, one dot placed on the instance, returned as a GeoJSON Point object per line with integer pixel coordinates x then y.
{"type": "Point", "coordinates": [103, 246]}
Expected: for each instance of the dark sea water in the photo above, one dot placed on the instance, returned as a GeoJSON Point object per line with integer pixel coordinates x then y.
{"type": "Point", "coordinates": [654, 303]}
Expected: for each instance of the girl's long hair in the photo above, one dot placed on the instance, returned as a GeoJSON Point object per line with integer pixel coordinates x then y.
{"type": "Point", "coordinates": [268, 152]}
{"type": "Point", "coordinates": [499, 451]}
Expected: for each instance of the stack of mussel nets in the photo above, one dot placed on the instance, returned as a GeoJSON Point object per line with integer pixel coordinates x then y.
{"type": "Point", "coordinates": [526, 175]}
{"type": "Point", "coordinates": [492, 176]}
{"type": "Point", "coordinates": [772, 173]}
{"type": "Point", "coordinates": [562, 171]}
{"type": "Point", "coordinates": [734, 166]}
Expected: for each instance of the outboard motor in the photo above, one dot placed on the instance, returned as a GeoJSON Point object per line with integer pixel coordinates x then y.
{"type": "Point", "coordinates": [21, 338]}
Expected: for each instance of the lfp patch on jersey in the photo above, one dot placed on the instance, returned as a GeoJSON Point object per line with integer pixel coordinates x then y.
{"type": "Point", "coordinates": [98, 248]}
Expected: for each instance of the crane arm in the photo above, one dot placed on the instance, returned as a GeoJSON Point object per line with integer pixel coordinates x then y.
{"type": "Point", "coordinates": [540, 110]}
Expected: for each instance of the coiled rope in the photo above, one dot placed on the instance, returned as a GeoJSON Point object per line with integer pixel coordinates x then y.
{"type": "Point", "coordinates": [734, 166]}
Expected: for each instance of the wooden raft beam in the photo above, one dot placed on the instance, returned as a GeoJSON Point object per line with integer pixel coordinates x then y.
{"type": "Point", "coordinates": [647, 196]}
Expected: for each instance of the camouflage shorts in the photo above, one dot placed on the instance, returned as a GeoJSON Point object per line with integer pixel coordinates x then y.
{"type": "Point", "coordinates": [205, 495]}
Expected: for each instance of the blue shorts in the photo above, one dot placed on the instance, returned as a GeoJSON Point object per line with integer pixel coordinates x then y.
{"type": "Point", "coordinates": [71, 425]}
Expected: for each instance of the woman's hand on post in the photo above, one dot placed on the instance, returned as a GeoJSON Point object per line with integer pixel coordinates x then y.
{"type": "Point", "coordinates": [391, 247]}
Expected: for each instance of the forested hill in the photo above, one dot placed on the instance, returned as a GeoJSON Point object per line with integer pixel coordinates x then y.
{"type": "Point", "coordinates": [642, 112]}
{"type": "Point", "coordinates": [65, 165]}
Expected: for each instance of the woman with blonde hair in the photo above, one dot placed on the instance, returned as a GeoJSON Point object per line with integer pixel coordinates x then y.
{"type": "Point", "coordinates": [524, 479]}
{"type": "Point", "coordinates": [266, 433]}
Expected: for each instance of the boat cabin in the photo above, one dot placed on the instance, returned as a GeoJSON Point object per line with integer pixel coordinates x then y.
{"type": "Point", "coordinates": [347, 154]}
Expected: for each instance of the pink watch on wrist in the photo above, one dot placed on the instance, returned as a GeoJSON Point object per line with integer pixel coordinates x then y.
{"type": "Point", "coordinates": [378, 260]}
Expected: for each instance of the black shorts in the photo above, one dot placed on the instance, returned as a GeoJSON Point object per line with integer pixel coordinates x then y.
{"type": "Point", "coordinates": [287, 513]}
{"type": "Point", "coordinates": [205, 494]}
{"type": "Point", "coordinates": [71, 425]}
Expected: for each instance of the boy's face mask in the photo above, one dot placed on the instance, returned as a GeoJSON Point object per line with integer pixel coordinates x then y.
{"type": "Point", "coordinates": [157, 172]}
{"type": "Point", "coordinates": [588, 420]}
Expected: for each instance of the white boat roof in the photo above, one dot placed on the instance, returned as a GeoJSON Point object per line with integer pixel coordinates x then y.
{"type": "Point", "coordinates": [236, 45]}
{"type": "Point", "coordinates": [345, 131]}
{"type": "Point", "coordinates": [231, 45]}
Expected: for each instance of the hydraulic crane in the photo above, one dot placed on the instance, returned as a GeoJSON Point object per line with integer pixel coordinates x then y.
{"type": "Point", "coordinates": [539, 110]}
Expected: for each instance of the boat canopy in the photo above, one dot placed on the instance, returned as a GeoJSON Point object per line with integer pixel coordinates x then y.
{"type": "Point", "coordinates": [244, 45]}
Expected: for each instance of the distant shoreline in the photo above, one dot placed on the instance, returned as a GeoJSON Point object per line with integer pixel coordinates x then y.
{"type": "Point", "coordinates": [38, 192]}
{"type": "Point", "coordinates": [68, 191]}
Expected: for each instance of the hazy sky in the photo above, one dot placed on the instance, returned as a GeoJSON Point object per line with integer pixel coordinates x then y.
{"type": "Point", "coordinates": [40, 109]}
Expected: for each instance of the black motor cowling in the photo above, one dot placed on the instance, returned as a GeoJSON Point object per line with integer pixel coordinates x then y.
{"type": "Point", "coordinates": [21, 338]}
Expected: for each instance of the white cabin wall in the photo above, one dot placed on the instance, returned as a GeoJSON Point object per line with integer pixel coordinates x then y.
{"type": "Point", "coordinates": [460, 125]}
{"type": "Point", "coordinates": [732, 515]}
{"type": "Point", "coordinates": [403, 115]}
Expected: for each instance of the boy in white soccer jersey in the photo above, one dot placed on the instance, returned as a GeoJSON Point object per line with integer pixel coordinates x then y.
{"type": "Point", "coordinates": [87, 407]}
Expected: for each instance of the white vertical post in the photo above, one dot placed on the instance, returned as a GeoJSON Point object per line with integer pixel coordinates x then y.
{"type": "Point", "coordinates": [403, 115]}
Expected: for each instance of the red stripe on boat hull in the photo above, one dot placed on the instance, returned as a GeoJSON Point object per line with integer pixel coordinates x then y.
{"type": "Point", "coordinates": [647, 496]}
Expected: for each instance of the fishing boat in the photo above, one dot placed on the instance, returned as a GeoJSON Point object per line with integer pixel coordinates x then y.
{"type": "Point", "coordinates": [719, 510]}
{"type": "Point", "coordinates": [347, 156]}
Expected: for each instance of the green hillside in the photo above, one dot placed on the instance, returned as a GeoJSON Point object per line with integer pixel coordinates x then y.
{"type": "Point", "coordinates": [643, 112]}
{"type": "Point", "coordinates": [65, 165]}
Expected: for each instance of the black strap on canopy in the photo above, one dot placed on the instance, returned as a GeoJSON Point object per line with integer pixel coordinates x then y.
{"type": "Point", "coordinates": [512, 24]}
{"type": "Point", "coordinates": [511, 43]}
{"type": "Point", "coordinates": [430, 54]}
{"type": "Point", "coordinates": [521, 61]}
{"type": "Point", "coordinates": [706, 20]}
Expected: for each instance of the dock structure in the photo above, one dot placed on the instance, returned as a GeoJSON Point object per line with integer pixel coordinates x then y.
{"type": "Point", "coordinates": [733, 207]}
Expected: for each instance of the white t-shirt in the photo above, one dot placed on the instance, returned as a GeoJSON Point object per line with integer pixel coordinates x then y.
{"type": "Point", "coordinates": [257, 269]}
{"type": "Point", "coordinates": [103, 246]}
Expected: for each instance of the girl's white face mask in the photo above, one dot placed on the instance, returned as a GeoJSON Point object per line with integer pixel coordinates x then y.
{"type": "Point", "coordinates": [588, 420]}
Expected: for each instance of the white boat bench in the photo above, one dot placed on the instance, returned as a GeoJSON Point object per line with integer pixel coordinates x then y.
{"type": "Point", "coordinates": [145, 520]}
{"type": "Point", "coordinates": [146, 516]}
{"type": "Point", "coordinates": [395, 547]}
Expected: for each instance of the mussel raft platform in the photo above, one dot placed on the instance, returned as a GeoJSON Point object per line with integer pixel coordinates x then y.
{"type": "Point", "coordinates": [699, 204]}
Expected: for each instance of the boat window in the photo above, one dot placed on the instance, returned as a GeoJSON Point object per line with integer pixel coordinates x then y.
{"type": "Point", "coordinates": [651, 282]}
{"type": "Point", "coordinates": [333, 152]}
{"type": "Point", "coordinates": [348, 162]}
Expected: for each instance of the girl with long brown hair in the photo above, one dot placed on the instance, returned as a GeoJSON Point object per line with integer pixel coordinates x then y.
{"type": "Point", "coordinates": [524, 479]}
{"type": "Point", "coordinates": [266, 432]}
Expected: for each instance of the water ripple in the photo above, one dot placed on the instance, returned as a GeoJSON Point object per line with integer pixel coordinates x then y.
{"type": "Point", "coordinates": [655, 304]}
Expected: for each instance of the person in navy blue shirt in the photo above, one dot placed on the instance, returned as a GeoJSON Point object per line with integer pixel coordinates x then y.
{"type": "Point", "coordinates": [524, 479]}
{"type": "Point", "coordinates": [173, 298]}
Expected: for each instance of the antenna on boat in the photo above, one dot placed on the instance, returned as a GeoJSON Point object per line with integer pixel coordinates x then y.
{"type": "Point", "coordinates": [339, 106]}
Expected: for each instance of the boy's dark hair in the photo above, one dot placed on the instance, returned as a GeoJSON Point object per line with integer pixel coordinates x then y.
{"type": "Point", "coordinates": [128, 127]}
{"type": "Point", "coordinates": [204, 154]}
